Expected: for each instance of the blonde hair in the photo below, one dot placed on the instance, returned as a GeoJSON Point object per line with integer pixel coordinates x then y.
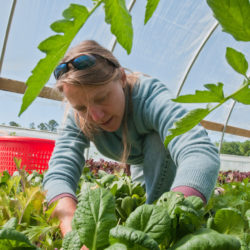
{"type": "Point", "coordinates": [106, 69]}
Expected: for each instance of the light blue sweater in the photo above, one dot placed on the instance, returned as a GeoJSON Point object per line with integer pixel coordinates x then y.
{"type": "Point", "coordinates": [193, 153]}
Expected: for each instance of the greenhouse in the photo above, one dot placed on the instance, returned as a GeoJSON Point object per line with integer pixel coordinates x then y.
{"type": "Point", "coordinates": [198, 52]}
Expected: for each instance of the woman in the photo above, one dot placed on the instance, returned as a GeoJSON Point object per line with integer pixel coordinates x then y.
{"type": "Point", "coordinates": [127, 116]}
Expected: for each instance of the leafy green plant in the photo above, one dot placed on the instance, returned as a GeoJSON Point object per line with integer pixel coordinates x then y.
{"type": "Point", "coordinates": [10, 238]}
{"type": "Point", "coordinates": [174, 222]}
{"type": "Point", "coordinates": [102, 220]}
{"type": "Point", "coordinates": [75, 16]}
{"type": "Point", "coordinates": [22, 206]}
{"type": "Point", "coordinates": [128, 195]}
{"type": "Point", "coordinates": [206, 238]}
{"type": "Point", "coordinates": [234, 18]}
{"type": "Point", "coordinates": [94, 217]}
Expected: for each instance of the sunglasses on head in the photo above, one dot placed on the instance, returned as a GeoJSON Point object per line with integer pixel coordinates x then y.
{"type": "Point", "coordinates": [81, 62]}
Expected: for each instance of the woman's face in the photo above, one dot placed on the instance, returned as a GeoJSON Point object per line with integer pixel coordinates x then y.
{"type": "Point", "coordinates": [103, 105]}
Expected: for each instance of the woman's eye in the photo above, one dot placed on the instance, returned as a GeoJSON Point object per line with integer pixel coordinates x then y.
{"type": "Point", "coordinates": [82, 110]}
{"type": "Point", "coordinates": [101, 99]}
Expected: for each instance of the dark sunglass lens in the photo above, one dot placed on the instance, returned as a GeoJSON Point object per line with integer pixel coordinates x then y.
{"type": "Point", "coordinates": [60, 70]}
{"type": "Point", "coordinates": [84, 61]}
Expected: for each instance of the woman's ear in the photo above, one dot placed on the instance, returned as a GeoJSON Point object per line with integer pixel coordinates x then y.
{"type": "Point", "coordinates": [123, 78]}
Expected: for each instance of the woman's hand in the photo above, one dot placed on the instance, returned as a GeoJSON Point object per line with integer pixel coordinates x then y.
{"type": "Point", "coordinates": [84, 248]}
{"type": "Point", "coordinates": [64, 211]}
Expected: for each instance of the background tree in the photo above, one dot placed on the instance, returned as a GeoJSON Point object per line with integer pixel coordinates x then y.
{"type": "Point", "coordinates": [42, 126]}
{"type": "Point", "coordinates": [14, 124]}
{"type": "Point", "coordinates": [52, 125]}
{"type": "Point", "coordinates": [236, 148]}
{"type": "Point", "coordinates": [245, 148]}
{"type": "Point", "coordinates": [32, 125]}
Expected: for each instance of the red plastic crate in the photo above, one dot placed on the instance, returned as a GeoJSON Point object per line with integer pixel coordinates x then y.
{"type": "Point", "coordinates": [34, 152]}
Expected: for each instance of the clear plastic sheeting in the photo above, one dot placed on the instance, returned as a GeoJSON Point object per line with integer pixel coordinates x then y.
{"type": "Point", "coordinates": [166, 48]}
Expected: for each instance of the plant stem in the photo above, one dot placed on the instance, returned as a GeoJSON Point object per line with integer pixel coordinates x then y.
{"type": "Point", "coordinates": [95, 7]}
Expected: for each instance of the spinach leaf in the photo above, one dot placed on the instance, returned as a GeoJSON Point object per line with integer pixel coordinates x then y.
{"type": "Point", "coordinates": [134, 239]}
{"type": "Point", "coordinates": [228, 221]}
{"type": "Point", "coordinates": [207, 239]}
{"type": "Point", "coordinates": [71, 241]}
{"type": "Point", "coordinates": [152, 220]}
{"type": "Point", "coordinates": [95, 216]}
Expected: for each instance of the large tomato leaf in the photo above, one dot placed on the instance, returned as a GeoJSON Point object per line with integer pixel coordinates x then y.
{"type": "Point", "coordinates": [150, 9]}
{"type": "Point", "coordinates": [243, 95]}
{"type": "Point", "coordinates": [186, 123]}
{"type": "Point", "coordinates": [207, 239]}
{"type": "Point", "coordinates": [152, 220]}
{"type": "Point", "coordinates": [237, 61]}
{"type": "Point", "coordinates": [234, 17]}
{"type": "Point", "coordinates": [55, 48]}
{"type": "Point", "coordinates": [213, 94]}
{"type": "Point", "coordinates": [118, 16]}
{"type": "Point", "coordinates": [94, 216]}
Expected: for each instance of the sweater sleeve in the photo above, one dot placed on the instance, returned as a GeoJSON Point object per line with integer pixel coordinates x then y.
{"type": "Point", "coordinates": [67, 161]}
{"type": "Point", "coordinates": [194, 155]}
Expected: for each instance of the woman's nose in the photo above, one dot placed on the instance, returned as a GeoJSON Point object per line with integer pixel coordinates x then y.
{"type": "Point", "coordinates": [96, 114]}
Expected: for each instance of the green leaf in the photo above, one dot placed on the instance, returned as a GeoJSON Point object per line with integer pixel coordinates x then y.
{"type": "Point", "coordinates": [4, 177]}
{"type": "Point", "coordinates": [54, 47]}
{"type": "Point", "coordinates": [237, 61]}
{"type": "Point", "coordinates": [71, 241]}
{"type": "Point", "coordinates": [215, 94]}
{"type": "Point", "coordinates": [186, 123]}
{"type": "Point", "coordinates": [196, 202]}
{"type": "Point", "coordinates": [247, 215]}
{"type": "Point", "coordinates": [107, 179]}
{"type": "Point", "coordinates": [189, 220]}
{"type": "Point", "coordinates": [207, 239]}
{"type": "Point", "coordinates": [152, 220]}
{"type": "Point", "coordinates": [150, 9]}
{"type": "Point", "coordinates": [11, 223]}
{"type": "Point", "coordinates": [17, 239]}
{"type": "Point", "coordinates": [245, 241]}
{"type": "Point", "coordinates": [118, 16]}
{"type": "Point", "coordinates": [138, 189]}
{"type": "Point", "coordinates": [117, 246]}
{"type": "Point", "coordinates": [170, 200]}
{"type": "Point", "coordinates": [210, 222]}
{"type": "Point", "coordinates": [243, 95]}
{"type": "Point", "coordinates": [234, 17]}
{"type": "Point", "coordinates": [128, 205]}
{"type": "Point", "coordinates": [132, 238]}
{"type": "Point", "coordinates": [32, 201]}
{"type": "Point", "coordinates": [228, 221]}
{"type": "Point", "coordinates": [94, 216]}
